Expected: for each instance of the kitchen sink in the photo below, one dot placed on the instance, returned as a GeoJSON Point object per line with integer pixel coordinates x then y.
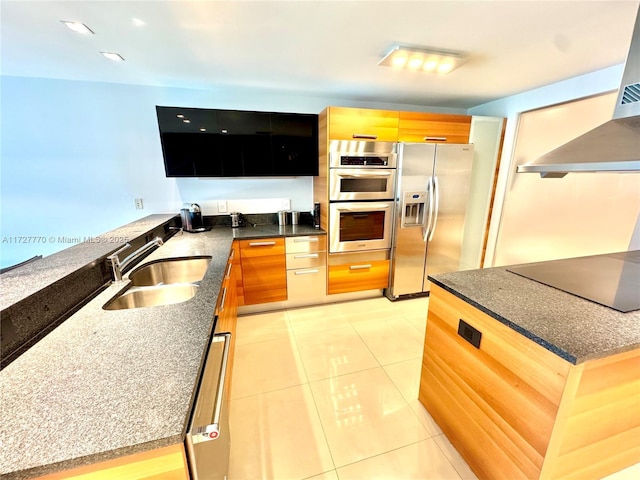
{"type": "Point", "coordinates": [174, 270]}
{"type": "Point", "coordinates": [136, 297]}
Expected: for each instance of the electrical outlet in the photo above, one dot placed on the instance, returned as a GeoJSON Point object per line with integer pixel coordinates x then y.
{"type": "Point", "coordinates": [286, 204]}
{"type": "Point", "coordinates": [222, 206]}
{"type": "Point", "coordinates": [139, 205]}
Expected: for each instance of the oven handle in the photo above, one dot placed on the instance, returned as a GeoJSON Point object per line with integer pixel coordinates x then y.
{"type": "Point", "coordinates": [206, 433]}
{"type": "Point", "coordinates": [366, 207]}
{"type": "Point", "coordinates": [377, 173]}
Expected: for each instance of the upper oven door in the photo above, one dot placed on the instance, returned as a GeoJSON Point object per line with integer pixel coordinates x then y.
{"type": "Point", "coordinates": [362, 184]}
{"type": "Point", "coordinates": [362, 159]}
{"type": "Point", "coordinates": [358, 226]}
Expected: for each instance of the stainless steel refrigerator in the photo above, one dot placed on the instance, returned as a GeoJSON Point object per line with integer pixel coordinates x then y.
{"type": "Point", "coordinates": [433, 184]}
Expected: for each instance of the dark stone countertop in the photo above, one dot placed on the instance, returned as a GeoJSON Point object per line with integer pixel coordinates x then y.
{"type": "Point", "coordinates": [576, 329]}
{"type": "Point", "coordinates": [109, 383]}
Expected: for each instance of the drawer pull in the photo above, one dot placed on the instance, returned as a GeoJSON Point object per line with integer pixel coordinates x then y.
{"type": "Point", "coordinates": [359, 267]}
{"type": "Point", "coordinates": [306, 239]}
{"type": "Point", "coordinates": [469, 333]}
{"type": "Point", "coordinates": [365, 136]}
{"type": "Point", "coordinates": [233, 252]}
{"type": "Point", "coordinates": [307, 255]}
{"type": "Point", "coordinates": [435, 139]}
{"type": "Point", "coordinates": [305, 272]}
{"type": "Point", "coordinates": [229, 270]}
{"type": "Point", "coordinates": [224, 298]}
{"type": "Point", "coordinates": [261, 244]}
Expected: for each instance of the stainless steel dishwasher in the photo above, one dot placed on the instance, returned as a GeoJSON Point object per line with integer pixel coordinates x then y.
{"type": "Point", "coordinates": [208, 440]}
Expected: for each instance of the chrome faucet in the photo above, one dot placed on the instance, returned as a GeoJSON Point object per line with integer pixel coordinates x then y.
{"type": "Point", "coordinates": [118, 265]}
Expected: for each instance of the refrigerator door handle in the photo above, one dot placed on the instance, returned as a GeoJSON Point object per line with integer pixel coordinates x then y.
{"type": "Point", "coordinates": [429, 221]}
{"type": "Point", "coordinates": [437, 207]}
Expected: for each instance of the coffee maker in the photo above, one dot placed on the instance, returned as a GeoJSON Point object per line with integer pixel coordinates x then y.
{"type": "Point", "coordinates": [191, 215]}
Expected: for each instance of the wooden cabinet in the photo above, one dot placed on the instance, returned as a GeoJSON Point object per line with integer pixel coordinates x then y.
{"type": "Point", "coordinates": [168, 463]}
{"type": "Point", "coordinates": [358, 276]}
{"type": "Point", "coordinates": [236, 260]}
{"type": "Point", "coordinates": [513, 409]}
{"type": "Point", "coordinates": [433, 127]}
{"type": "Point", "coordinates": [227, 314]}
{"type": "Point", "coordinates": [306, 270]}
{"type": "Point", "coordinates": [362, 124]}
{"type": "Point", "coordinates": [264, 272]}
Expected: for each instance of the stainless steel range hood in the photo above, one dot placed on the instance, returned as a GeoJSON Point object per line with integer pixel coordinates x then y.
{"type": "Point", "coordinates": [613, 146]}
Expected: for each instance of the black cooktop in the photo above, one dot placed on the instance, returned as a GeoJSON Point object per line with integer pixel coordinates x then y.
{"type": "Point", "coordinates": [612, 280]}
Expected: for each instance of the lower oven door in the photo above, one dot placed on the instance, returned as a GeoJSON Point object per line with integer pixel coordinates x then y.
{"type": "Point", "coordinates": [356, 226]}
{"type": "Point", "coordinates": [208, 441]}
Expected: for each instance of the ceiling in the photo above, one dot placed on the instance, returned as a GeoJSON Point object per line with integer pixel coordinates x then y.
{"type": "Point", "coordinates": [324, 48]}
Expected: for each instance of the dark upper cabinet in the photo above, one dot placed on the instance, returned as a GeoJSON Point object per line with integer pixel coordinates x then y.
{"type": "Point", "coordinates": [234, 143]}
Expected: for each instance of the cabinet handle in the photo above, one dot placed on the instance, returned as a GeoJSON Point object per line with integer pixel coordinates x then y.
{"type": "Point", "coordinates": [224, 298]}
{"type": "Point", "coordinates": [305, 272]}
{"type": "Point", "coordinates": [365, 136]}
{"type": "Point", "coordinates": [359, 267]}
{"type": "Point", "coordinates": [233, 252]}
{"type": "Point", "coordinates": [229, 270]}
{"type": "Point", "coordinates": [435, 139]}
{"type": "Point", "coordinates": [261, 244]}
{"type": "Point", "coordinates": [306, 239]}
{"type": "Point", "coordinates": [307, 255]}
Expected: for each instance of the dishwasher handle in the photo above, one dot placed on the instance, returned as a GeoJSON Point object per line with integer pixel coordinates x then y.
{"type": "Point", "coordinates": [211, 431]}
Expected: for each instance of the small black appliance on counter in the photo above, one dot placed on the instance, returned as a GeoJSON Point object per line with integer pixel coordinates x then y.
{"type": "Point", "coordinates": [191, 215]}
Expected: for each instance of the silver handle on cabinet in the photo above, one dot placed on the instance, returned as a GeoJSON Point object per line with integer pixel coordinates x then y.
{"type": "Point", "coordinates": [305, 239]}
{"type": "Point", "coordinates": [305, 272]}
{"type": "Point", "coordinates": [210, 432]}
{"type": "Point", "coordinates": [359, 267]}
{"type": "Point", "coordinates": [435, 139]}
{"type": "Point", "coordinates": [229, 270]}
{"type": "Point", "coordinates": [224, 298]}
{"type": "Point", "coordinates": [306, 255]}
{"type": "Point", "coordinates": [231, 255]}
{"type": "Point", "coordinates": [364, 135]}
{"type": "Point", "coordinates": [261, 244]}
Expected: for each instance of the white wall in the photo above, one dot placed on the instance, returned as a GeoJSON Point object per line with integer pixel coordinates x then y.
{"type": "Point", "coordinates": [74, 155]}
{"type": "Point", "coordinates": [511, 107]}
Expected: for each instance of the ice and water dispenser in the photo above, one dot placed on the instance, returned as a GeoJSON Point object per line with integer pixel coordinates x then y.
{"type": "Point", "coordinates": [413, 209]}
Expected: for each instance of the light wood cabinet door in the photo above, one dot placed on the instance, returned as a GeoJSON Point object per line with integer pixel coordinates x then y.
{"type": "Point", "coordinates": [264, 271]}
{"type": "Point", "coordinates": [358, 276]}
{"type": "Point", "coordinates": [433, 127]}
{"type": "Point", "coordinates": [363, 124]}
{"type": "Point", "coordinates": [236, 259]}
{"type": "Point", "coordinates": [227, 316]}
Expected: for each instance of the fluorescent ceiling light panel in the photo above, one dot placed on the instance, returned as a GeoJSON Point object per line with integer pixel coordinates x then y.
{"type": "Point", "coordinates": [116, 57]}
{"type": "Point", "coordinates": [422, 59]}
{"type": "Point", "coordinates": [77, 27]}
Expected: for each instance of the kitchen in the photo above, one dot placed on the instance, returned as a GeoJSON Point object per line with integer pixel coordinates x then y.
{"type": "Point", "coordinates": [138, 154]}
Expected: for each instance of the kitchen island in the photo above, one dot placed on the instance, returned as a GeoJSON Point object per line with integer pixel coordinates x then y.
{"type": "Point", "coordinates": [113, 384]}
{"type": "Point", "coordinates": [528, 381]}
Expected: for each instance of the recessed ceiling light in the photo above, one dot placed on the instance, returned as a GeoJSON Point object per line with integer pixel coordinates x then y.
{"type": "Point", "coordinates": [203, 129]}
{"type": "Point", "coordinates": [77, 27]}
{"type": "Point", "coordinates": [116, 57]}
{"type": "Point", "coordinates": [186, 120]}
{"type": "Point", "coordinates": [180, 115]}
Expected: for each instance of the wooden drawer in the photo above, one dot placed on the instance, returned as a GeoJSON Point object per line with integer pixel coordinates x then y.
{"type": "Point", "coordinates": [433, 127]}
{"type": "Point", "coordinates": [471, 392]}
{"type": "Point", "coordinates": [358, 276]}
{"type": "Point", "coordinates": [262, 247]}
{"type": "Point", "coordinates": [264, 278]}
{"type": "Point", "coordinates": [306, 260]}
{"type": "Point", "coordinates": [362, 124]}
{"type": "Point", "coordinates": [313, 243]}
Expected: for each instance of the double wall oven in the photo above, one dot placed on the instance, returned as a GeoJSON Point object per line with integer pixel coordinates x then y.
{"type": "Point", "coordinates": [362, 179]}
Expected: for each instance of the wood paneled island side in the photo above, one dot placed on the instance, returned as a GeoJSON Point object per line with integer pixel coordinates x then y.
{"type": "Point", "coordinates": [531, 401]}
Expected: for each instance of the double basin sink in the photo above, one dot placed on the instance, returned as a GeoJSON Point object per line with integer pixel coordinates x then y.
{"type": "Point", "coordinates": [162, 282]}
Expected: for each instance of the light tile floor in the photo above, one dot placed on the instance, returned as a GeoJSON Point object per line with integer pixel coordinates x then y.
{"type": "Point", "coordinates": [331, 393]}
